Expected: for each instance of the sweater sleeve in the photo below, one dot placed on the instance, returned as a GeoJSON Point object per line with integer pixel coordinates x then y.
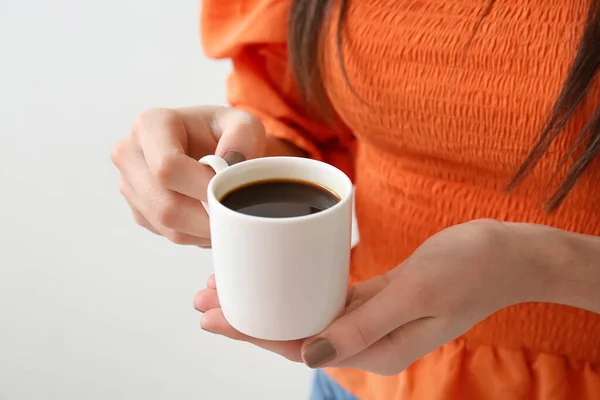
{"type": "Point", "coordinates": [252, 34]}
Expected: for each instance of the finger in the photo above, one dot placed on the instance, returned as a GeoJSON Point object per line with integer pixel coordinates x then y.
{"type": "Point", "coordinates": [206, 299]}
{"type": "Point", "coordinates": [184, 239]}
{"type": "Point", "coordinates": [204, 243]}
{"type": "Point", "coordinates": [214, 321]}
{"type": "Point", "coordinates": [396, 351]}
{"type": "Point", "coordinates": [176, 216]}
{"type": "Point", "coordinates": [238, 133]}
{"type": "Point", "coordinates": [178, 213]}
{"type": "Point", "coordinates": [128, 193]}
{"type": "Point", "coordinates": [364, 291]}
{"type": "Point", "coordinates": [163, 137]}
{"type": "Point", "coordinates": [211, 283]}
{"type": "Point", "coordinates": [360, 328]}
{"type": "Point", "coordinates": [142, 221]}
{"type": "Point", "coordinates": [173, 235]}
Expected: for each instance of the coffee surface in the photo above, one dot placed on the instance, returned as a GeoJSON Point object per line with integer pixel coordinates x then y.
{"type": "Point", "coordinates": [279, 199]}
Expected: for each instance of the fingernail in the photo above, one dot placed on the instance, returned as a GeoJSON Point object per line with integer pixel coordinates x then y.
{"type": "Point", "coordinates": [319, 352]}
{"type": "Point", "coordinates": [233, 157]}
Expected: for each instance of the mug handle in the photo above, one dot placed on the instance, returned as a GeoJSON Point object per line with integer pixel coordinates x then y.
{"type": "Point", "coordinates": [217, 164]}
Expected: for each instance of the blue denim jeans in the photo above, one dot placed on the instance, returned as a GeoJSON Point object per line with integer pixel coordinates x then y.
{"type": "Point", "coordinates": [325, 388]}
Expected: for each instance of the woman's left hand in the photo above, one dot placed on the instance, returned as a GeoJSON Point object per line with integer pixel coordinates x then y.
{"type": "Point", "coordinates": [454, 280]}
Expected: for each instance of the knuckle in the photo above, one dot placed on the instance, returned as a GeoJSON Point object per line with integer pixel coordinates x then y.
{"type": "Point", "coordinates": [246, 119]}
{"type": "Point", "coordinates": [177, 237]}
{"type": "Point", "coordinates": [168, 115]}
{"type": "Point", "coordinates": [166, 170]}
{"type": "Point", "coordinates": [141, 121]}
{"type": "Point", "coordinates": [139, 220]}
{"type": "Point", "coordinates": [145, 117]}
{"type": "Point", "coordinates": [117, 155]}
{"type": "Point", "coordinates": [360, 333]}
{"type": "Point", "coordinates": [123, 188]}
{"type": "Point", "coordinates": [168, 213]}
{"type": "Point", "coordinates": [235, 118]}
{"type": "Point", "coordinates": [152, 116]}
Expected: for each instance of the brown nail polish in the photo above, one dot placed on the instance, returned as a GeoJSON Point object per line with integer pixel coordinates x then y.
{"type": "Point", "coordinates": [233, 157]}
{"type": "Point", "coordinates": [319, 352]}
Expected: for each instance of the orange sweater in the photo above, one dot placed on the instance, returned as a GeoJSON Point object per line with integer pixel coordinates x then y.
{"type": "Point", "coordinates": [443, 136]}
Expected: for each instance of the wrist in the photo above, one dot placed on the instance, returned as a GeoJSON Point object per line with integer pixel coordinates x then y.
{"type": "Point", "coordinates": [577, 272]}
{"type": "Point", "coordinates": [562, 266]}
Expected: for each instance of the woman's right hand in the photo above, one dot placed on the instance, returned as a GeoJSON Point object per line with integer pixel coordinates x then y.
{"type": "Point", "coordinates": [160, 176]}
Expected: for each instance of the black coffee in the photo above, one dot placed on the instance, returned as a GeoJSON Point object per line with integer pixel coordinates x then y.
{"type": "Point", "coordinates": [279, 199]}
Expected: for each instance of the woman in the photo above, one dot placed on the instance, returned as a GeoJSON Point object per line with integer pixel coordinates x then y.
{"type": "Point", "coordinates": [462, 289]}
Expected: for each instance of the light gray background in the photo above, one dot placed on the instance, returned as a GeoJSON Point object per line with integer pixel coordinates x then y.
{"type": "Point", "coordinates": [92, 307]}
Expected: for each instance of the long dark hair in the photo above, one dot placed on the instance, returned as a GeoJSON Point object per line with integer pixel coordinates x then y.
{"type": "Point", "coordinates": [304, 31]}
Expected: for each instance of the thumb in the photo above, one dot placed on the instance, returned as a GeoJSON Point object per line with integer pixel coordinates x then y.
{"type": "Point", "coordinates": [357, 330]}
{"type": "Point", "coordinates": [240, 135]}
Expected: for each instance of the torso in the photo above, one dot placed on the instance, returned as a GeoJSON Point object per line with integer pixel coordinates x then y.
{"type": "Point", "coordinates": [442, 131]}
{"type": "Point", "coordinates": [440, 134]}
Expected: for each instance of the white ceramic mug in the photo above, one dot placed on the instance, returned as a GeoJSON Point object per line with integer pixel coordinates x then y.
{"type": "Point", "coordinates": [280, 278]}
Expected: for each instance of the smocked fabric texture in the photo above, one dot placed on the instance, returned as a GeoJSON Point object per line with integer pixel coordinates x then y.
{"type": "Point", "coordinates": [442, 120]}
